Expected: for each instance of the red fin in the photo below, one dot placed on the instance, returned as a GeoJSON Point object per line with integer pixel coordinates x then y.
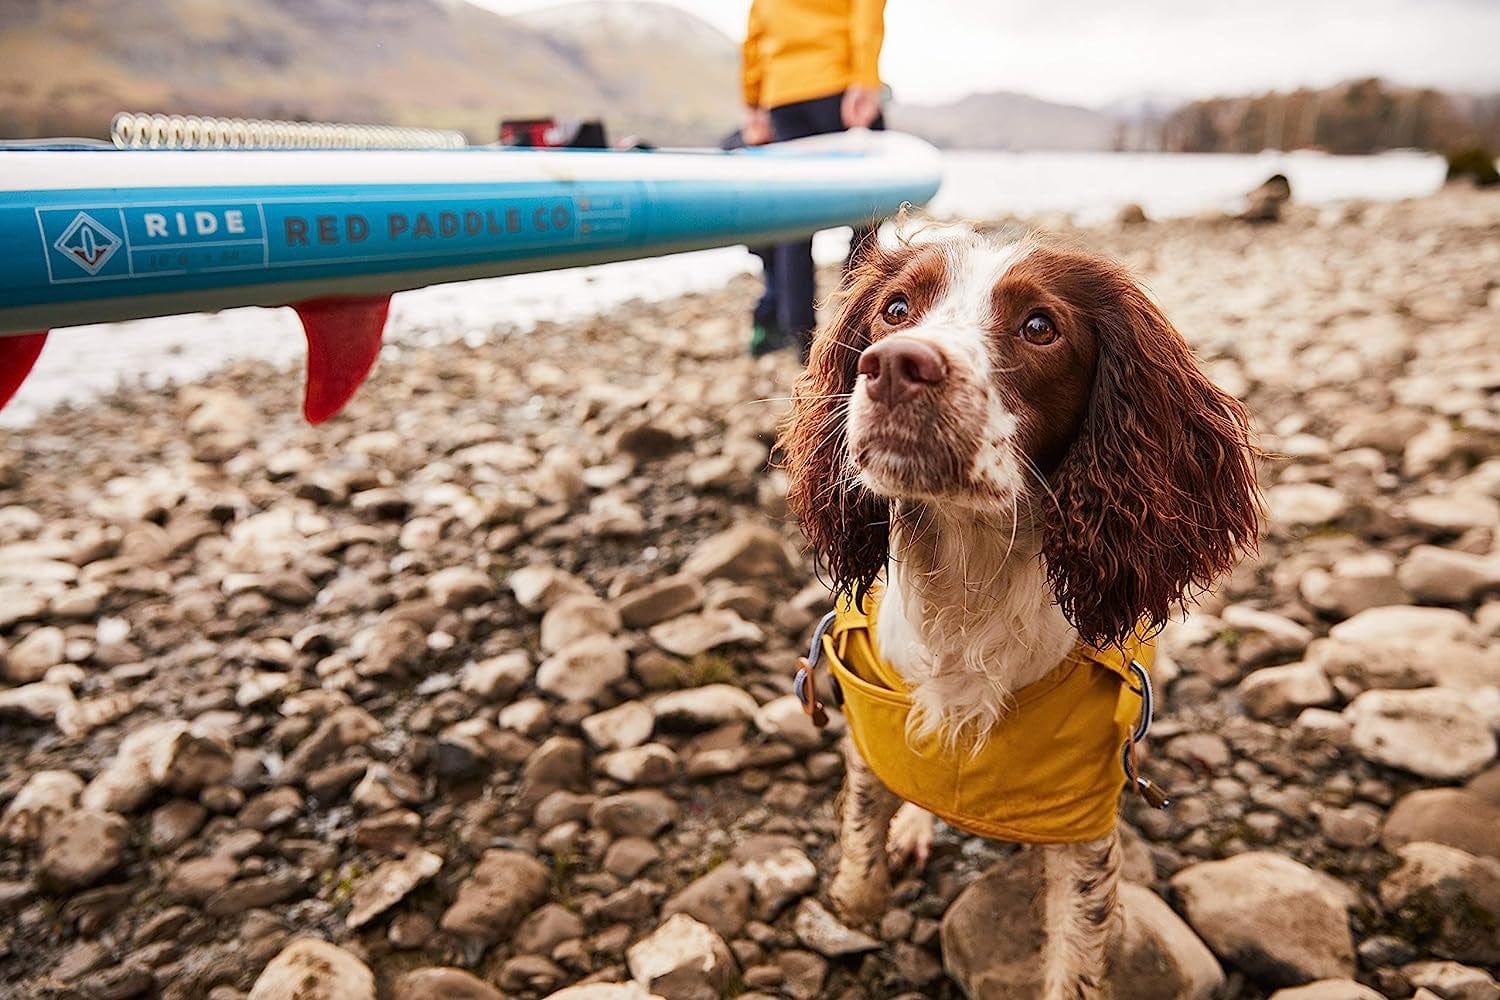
{"type": "Point", "coordinates": [17, 355]}
{"type": "Point", "coordinates": [343, 340]}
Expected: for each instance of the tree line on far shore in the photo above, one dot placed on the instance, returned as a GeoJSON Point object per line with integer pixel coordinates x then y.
{"type": "Point", "coordinates": [1359, 116]}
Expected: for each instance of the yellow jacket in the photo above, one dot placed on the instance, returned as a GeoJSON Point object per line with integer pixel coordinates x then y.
{"type": "Point", "coordinates": [796, 50]}
{"type": "Point", "coordinates": [1050, 772]}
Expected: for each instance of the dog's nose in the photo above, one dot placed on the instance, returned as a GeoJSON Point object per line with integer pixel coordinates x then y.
{"type": "Point", "coordinates": [897, 368]}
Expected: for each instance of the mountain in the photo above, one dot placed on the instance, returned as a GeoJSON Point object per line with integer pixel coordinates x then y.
{"type": "Point", "coordinates": [66, 66]}
{"type": "Point", "coordinates": [1004, 120]}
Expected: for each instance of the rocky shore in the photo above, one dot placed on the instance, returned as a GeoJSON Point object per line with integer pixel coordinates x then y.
{"type": "Point", "coordinates": [481, 690]}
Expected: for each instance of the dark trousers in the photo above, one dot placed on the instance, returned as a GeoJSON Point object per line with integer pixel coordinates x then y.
{"type": "Point", "coordinates": [790, 286]}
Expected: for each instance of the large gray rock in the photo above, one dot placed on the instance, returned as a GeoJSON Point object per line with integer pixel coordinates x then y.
{"type": "Point", "coordinates": [309, 969]}
{"type": "Point", "coordinates": [1452, 816]}
{"type": "Point", "coordinates": [1278, 920]}
{"type": "Point", "coordinates": [1448, 898]}
{"type": "Point", "coordinates": [1433, 732]}
{"type": "Point", "coordinates": [1156, 957]}
{"type": "Point", "coordinates": [504, 887]}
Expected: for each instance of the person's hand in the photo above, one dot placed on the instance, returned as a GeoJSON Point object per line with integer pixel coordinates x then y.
{"type": "Point", "coordinates": [860, 107]}
{"type": "Point", "coordinates": [757, 130]}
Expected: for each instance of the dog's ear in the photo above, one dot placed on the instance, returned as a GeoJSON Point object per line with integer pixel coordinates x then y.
{"type": "Point", "coordinates": [848, 526]}
{"type": "Point", "coordinates": [1156, 497]}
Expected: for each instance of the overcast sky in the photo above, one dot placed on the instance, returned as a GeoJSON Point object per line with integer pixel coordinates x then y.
{"type": "Point", "coordinates": [1095, 51]}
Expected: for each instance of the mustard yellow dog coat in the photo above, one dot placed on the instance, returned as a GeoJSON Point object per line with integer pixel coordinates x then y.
{"type": "Point", "coordinates": [1051, 770]}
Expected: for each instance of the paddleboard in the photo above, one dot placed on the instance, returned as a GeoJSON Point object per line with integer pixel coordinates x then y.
{"type": "Point", "coordinates": [95, 235]}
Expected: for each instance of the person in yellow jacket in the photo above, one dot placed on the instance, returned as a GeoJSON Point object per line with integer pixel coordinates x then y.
{"type": "Point", "coordinates": [810, 67]}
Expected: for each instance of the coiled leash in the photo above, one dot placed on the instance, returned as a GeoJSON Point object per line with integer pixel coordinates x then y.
{"type": "Point", "coordinates": [1156, 796]}
{"type": "Point", "coordinates": [805, 687]}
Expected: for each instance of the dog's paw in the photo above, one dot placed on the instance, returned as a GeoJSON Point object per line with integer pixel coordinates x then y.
{"type": "Point", "coordinates": [910, 838]}
{"type": "Point", "coordinates": [857, 900]}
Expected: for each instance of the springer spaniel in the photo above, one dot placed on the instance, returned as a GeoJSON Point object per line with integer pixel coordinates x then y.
{"type": "Point", "coordinates": [1011, 451]}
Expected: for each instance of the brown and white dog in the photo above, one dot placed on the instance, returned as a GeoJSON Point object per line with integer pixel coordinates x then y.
{"type": "Point", "coordinates": [1021, 444]}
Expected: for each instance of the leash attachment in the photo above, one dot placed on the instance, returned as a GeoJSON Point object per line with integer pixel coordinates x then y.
{"type": "Point", "coordinates": [1156, 796]}
{"type": "Point", "coordinates": [805, 685]}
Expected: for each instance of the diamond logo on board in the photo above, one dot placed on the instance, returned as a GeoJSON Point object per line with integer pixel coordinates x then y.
{"type": "Point", "coordinates": [87, 243]}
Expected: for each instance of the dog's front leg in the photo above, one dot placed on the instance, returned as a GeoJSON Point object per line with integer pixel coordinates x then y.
{"type": "Point", "coordinates": [862, 884]}
{"type": "Point", "coordinates": [1081, 883]}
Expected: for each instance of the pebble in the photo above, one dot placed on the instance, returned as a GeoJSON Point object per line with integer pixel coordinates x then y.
{"type": "Point", "coordinates": [642, 813]}
{"type": "Point", "coordinates": [31, 658]}
{"type": "Point", "coordinates": [309, 969]}
{"type": "Point", "coordinates": [1274, 691]}
{"type": "Point", "coordinates": [692, 634]}
{"type": "Point", "coordinates": [502, 890]}
{"type": "Point", "coordinates": [684, 952]}
{"type": "Point", "coordinates": [388, 884]}
{"type": "Point", "coordinates": [703, 707]}
{"type": "Point", "coordinates": [498, 676]}
{"type": "Point", "coordinates": [444, 984]}
{"type": "Point", "coordinates": [583, 670]}
{"type": "Point", "coordinates": [628, 724]}
{"type": "Point", "coordinates": [659, 600]}
{"type": "Point", "coordinates": [82, 846]}
{"type": "Point", "coordinates": [825, 934]}
{"type": "Point", "coordinates": [46, 797]}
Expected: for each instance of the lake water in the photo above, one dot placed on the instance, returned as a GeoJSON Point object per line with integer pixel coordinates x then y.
{"type": "Point", "coordinates": [81, 362]}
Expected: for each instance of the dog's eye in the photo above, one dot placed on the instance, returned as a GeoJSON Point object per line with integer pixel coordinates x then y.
{"type": "Point", "coordinates": [1038, 329]}
{"type": "Point", "coordinates": [897, 309]}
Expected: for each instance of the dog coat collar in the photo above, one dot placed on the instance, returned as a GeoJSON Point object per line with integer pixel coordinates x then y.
{"type": "Point", "coordinates": [1050, 772]}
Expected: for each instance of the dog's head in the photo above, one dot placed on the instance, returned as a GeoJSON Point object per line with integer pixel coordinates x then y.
{"type": "Point", "coordinates": [1035, 388]}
